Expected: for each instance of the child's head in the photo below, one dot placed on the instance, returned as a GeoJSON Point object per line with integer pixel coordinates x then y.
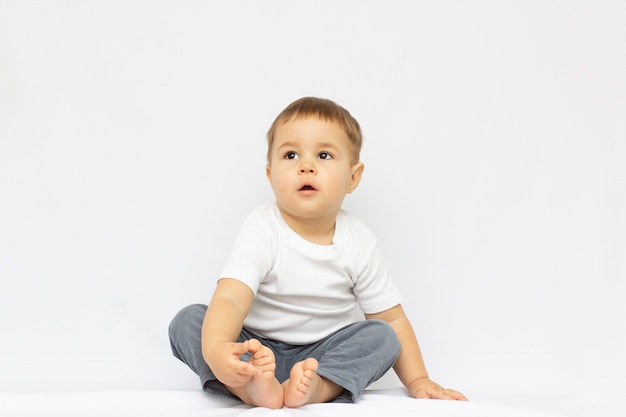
{"type": "Point", "coordinates": [323, 109]}
{"type": "Point", "coordinates": [313, 160]}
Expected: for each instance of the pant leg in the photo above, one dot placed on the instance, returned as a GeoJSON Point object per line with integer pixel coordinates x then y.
{"type": "Point", "coordinates": [357, 355]}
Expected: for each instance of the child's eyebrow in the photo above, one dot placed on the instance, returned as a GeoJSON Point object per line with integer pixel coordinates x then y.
{"type": "Point", "coordinates": [287, 145]}
{"type": "Point", "coordinates": [323, 145]}
{"type": "Point", "coordinates": [328, 145]}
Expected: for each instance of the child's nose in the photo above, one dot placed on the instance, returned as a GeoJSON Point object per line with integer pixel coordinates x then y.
{"type": "Point", "coordinates": [307, 167]}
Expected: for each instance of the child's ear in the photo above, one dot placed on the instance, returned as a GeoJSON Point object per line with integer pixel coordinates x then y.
{"type": "Point", "coordinates": [268, 172]}
{"type": "Point", "coordinates": [357, 173]}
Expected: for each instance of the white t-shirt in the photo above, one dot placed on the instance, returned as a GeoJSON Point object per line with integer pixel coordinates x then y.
{"type": "Point", "coordinates": [304, 291]}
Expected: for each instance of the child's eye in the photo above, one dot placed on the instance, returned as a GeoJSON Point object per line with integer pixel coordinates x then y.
{"type": "Point", "coordinates": [324, 155]}
{"type": "Point", "coordinates": [291, 155]}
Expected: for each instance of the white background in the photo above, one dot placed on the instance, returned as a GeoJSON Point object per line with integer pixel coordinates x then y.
{"type": "Point", "coordinates": [132, 145]}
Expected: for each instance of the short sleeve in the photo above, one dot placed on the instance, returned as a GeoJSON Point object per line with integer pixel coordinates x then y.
{"type": "Point", "coordinates": [374, 287]}
{"type": "Point", "coordinates": [251, 256]}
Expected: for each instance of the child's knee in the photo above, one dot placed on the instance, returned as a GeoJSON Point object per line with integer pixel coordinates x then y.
{"type": "Point", "coordinates": [385, 335]}
{"type": "Point", "coordinates": [186, 319]}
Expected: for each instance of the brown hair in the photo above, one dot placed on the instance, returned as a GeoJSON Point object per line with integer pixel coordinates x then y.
{"type": "Point", "coordinates": [324, 109]}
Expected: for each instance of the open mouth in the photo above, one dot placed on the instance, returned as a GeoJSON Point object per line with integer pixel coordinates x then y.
{"type": "Point", "coordinates": [307, 187]}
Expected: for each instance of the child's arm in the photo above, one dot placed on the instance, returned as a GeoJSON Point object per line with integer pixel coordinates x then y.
{"type": "Point", "coordinates": [221, 328]}
{"type": "Point", "coordinates": [410, 365]}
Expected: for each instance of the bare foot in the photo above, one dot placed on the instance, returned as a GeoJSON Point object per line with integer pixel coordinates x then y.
{"type": "Point", "coordinates": [262, 390]}
{"type": "Point", "coordinates": [305, 386]}
{"type": "Point", "coordinates": [263, 359]}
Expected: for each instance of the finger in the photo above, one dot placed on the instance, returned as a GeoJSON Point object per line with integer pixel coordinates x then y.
{"type": "Point", "coordinates": [441, 394]}
{"type": "Point", "coordinates": [457, 395]}
{"type": "Point", "coordinates": [240, 348]}
{"type": "Point", "coordinates": [446, 394]}
{"type": "Point", "coordinates": [433, 393]}
{"type": "Point", "coordinates": [245, 368]}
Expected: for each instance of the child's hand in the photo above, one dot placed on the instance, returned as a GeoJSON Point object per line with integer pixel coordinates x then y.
{"type": "Point", "coordinates": [425, 388]}
{"type": "Point", "coordinates": [226, 365]}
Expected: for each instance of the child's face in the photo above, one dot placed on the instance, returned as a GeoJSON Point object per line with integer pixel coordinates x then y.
{"type": "Point", "coordinates": [311, 168]}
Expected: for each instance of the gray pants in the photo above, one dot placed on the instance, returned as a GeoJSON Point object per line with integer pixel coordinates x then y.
{"type": "Point", "coordinates": [352, 357]}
